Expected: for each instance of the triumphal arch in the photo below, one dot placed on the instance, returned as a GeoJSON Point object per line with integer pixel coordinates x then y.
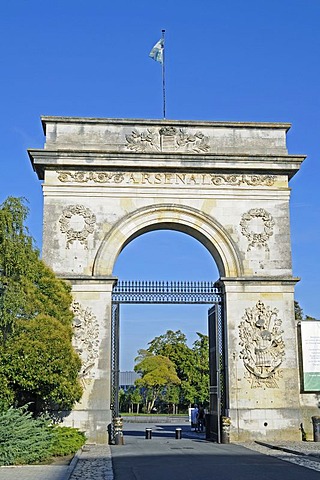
{"type": "Point", "coordinates": [107, 181]}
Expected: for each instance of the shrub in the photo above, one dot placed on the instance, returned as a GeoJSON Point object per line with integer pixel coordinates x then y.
{"type": "Point", "coordinates": [66, 440]}
{"type": "Point", "coordinates": [22, 438]}
{"type": "Point", "coordinates": [25, 440]}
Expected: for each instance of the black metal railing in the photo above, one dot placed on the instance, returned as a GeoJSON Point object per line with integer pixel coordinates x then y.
{"type": "Point", "coordinates": [128, 291]}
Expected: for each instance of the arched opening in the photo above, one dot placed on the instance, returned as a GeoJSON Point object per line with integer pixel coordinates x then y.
{"type": "Point", "coordinates": [161, 255]}
{"type": "Point", "coordinates": [165, 255]}
{"type": "Point", "coordinates": [184, 219]}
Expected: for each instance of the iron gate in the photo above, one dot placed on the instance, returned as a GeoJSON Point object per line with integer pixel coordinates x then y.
{"type": "Point", "coordinates": [154, 292]}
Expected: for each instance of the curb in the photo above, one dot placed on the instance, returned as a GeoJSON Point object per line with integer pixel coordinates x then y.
{"type": "Point", "coordinates": [289, 450]}
{"type": "Point", "coordinates": [73, 464]}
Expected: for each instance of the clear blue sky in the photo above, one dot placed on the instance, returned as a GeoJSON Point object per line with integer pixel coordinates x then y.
{"type": "Point", "coordinates": [226, 60]}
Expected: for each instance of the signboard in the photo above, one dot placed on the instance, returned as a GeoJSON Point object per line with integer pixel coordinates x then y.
{"type": "Point", "coordinates": [310, 337]}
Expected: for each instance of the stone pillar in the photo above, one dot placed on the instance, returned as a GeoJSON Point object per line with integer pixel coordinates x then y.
{"type": "Point", "coordinates": [262, 354]}
{"type": "Point", "coordinates": [92, 339]}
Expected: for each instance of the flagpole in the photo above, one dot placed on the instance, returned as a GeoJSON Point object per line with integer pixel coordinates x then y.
{"type": "Point", "coordinates": [163, 75]}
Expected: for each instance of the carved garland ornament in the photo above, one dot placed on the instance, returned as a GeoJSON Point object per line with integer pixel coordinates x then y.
{"type": "Point", "coordinates": [167, 139]}
{"type": "Point", "coordinates": [73, 234]}
{"type": "Point", "coordinates": [85, 338]}
{"type": "Point", "coordinates": [257, 239]}
{"type": "Point", "coordinates": [262, 345]}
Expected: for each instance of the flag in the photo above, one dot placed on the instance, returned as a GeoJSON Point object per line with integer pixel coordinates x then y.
{"type": "Point", "coordinates": [157, 51]}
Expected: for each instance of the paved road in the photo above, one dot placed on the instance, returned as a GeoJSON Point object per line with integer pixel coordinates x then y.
{"type": "Point", "coordinates": [165, 458]}
{"type": "Point", "coordinates": [192, 458]}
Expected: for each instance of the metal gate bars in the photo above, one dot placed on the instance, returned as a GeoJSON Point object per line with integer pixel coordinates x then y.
{"type": "Point", "coordinates": [155, 292]}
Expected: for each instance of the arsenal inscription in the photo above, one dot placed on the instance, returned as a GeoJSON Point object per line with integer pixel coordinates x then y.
{"type": "Point", "coordinates": [164, 178]}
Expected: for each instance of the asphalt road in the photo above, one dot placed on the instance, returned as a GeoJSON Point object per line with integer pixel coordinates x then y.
{"type": "Point", "coordinates": [191, 458]}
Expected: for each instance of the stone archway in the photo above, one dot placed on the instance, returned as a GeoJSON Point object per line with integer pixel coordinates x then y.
{"type": "Point", "coordinates": [172, 217]}
{"type": "Point", "coordinates": [107, 181]}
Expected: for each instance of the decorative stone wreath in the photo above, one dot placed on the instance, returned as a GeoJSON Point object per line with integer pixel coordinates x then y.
{"type": "Point", "coordinates": [72, 234]}
{"type": "Point", "coordinates": [257, 239]}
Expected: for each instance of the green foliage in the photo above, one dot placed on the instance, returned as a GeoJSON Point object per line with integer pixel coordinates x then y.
{"type": "Point", "coordinates": [129, 398]}
{"type": "Point", "coordinates": [22, 438]}
{"type": "Point", "coordinates": [25, 440]}
{"type": "Point", "coordinates": [66, 440]}
{"type": "Point", "coordinates": [157, 372]}
{"type": "Point", "coordinates": [192, 364]}
{"type": "Point", "coordinates": [37, 361]}
{"type": "Point", "coordinates": [40, 364]}
{"type": "Point", "coordinates": [298, 313]}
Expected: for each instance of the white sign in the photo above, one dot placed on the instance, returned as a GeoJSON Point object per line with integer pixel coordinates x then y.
{"type": "Point", "coordinates": [310, 336]}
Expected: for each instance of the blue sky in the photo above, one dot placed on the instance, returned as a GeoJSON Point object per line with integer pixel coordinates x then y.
{"type": "Point", "coordinates": [225, 60]}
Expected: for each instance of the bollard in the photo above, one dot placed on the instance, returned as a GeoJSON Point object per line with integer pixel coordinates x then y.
{"type": "Point", "coordinates": [148, 433]}
{"type": "Point", "coordinates": [225, 429]}
{"type": "Point", "coordinates": [178, 433]}
{"type": "Point", "coordinates": [118, 434]}
{"type": "Point", "coordinates": [316, 428]}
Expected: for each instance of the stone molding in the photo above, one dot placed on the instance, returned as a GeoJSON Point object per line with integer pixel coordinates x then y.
{"type": "Point", "coordinates": [257, 239]}
{"type": "Point", "coordinates": [266, 163]}
{"type": "Point", "coordinates": [262, 345]}
{"type": "Point", "coordinates": [73, 234]}
{"type": "Point", "coordinates": [162, 178]}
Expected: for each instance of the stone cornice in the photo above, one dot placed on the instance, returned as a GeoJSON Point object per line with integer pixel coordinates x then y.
{"type": "Point", "coordinates": [274, 164]}
{"type": "Point", "coordinates": [89, 279]}
{"type": "Point", "coordinates": [154, 122]}
{"type": "Point", "coordinates": [260, 280]}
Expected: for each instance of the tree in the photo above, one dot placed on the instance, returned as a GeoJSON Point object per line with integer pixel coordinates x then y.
{"type": "Point", "coordinates": [136, 398]}
{"type": "Point", "coordinates": [200, 378]}
{"type": "Point", "coordinates": [157, 373]}
{"type": "Point", "coordinates": [174, 346]}
{"type": "Point", "coordinates": [192, 364]}
{"type": "Point", "coordinates": [40, 365]}
{"type": "Point", "coordinates": [298, 313]}
{"type": "Point", "coordinates": [37, 361]}
{"type": "Point", "coordinates": [171, 397]}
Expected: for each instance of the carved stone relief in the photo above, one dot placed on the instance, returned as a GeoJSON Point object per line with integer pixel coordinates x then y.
{"type": "Point", "coordinates": [75, 231]}
{"type": "Point", "coordinates": [257, 238]}
{"type": "Point", "coordinates": [85, 338]}
{"type": "Point", "coordinates": [262, 345]}
{"type": "Point", "coordinates": [142, 178]}
{"type": "Point", "coordinates": [167, 139]}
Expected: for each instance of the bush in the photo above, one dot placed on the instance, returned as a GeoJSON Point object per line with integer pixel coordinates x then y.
{"type": "Point", "coordinates": [66, 440]}
{"type": "Point", "coordinates": [25, 440]}
{"type": "Point", "coordinates": [22, 438]}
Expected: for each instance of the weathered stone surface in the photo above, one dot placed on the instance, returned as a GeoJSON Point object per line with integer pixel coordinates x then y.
{"type": "Point", "coordinates": [226, 184]}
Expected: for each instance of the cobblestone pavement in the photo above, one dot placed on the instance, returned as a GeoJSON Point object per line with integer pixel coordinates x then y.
{"type": "Point", "coordinates": [94, 463]}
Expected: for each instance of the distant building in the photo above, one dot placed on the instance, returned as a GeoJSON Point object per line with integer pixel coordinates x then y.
{"type": "Point", "coordinates": [126, 379]}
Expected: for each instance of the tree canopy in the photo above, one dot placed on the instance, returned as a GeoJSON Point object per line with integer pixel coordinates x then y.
{"type": "Point", "coordinates": [157, 373]}
{"type": "Point", "coordinates": [298, 313]}
{"type": "Point", "coordinates": [37, 361]}
{"type": "Point", "coordinates": [192, 363]}
{"type": "Point", "coordinates": [172, 373]}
